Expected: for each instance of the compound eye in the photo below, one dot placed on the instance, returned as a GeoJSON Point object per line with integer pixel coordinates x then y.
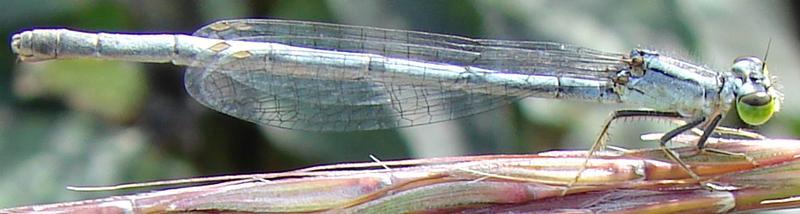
{"type": "Point", "coordinates": [744, 66]}
{"type": "Point", "coordinates": [756, 108]}
{"type": "Point", "coordinates": [747, 58]}
{"type": "Point", "coordinates": [741, 68]}
{"type": "Point", "coordinates": [756, 99]}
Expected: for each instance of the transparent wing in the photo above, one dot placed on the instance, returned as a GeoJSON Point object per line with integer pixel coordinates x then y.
{"type": "Point", "coordinates": [309, 103]}
{"type": "Point", "coordinates": [524, 57]}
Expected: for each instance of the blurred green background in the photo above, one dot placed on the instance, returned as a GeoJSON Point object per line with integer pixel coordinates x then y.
{"type": "Point", "coordinates": [99, 123]}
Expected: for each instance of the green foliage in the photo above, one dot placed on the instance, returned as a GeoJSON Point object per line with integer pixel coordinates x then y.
{"type": "Point", "coordinates": [113, 90]}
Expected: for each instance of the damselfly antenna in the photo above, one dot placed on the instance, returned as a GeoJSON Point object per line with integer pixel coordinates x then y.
{"type": "Point", "coordinates": [766, 53]}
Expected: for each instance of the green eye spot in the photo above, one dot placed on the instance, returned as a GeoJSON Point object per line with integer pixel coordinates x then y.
{"type": "Point", "coordinates": [755, 113]}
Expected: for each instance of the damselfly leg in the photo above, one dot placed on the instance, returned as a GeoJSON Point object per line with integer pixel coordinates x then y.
{"type": "Point", "coordinates": [709, 127]}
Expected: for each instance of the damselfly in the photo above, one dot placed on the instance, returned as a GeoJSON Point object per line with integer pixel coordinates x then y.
{"type": "Point", "coordinates": [329, 77]}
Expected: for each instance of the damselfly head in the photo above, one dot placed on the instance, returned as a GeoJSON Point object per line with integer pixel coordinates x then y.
{"type": "Point", "coordinates": [756, 98]}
